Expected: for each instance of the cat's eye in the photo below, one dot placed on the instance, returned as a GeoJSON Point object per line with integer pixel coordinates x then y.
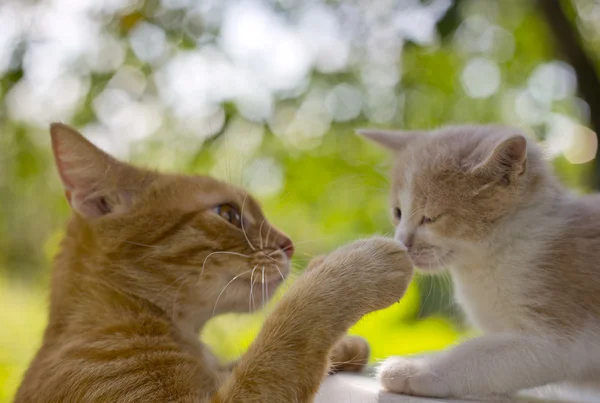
{"type": "Point", "coordinates": [397, 213]}
{"type": "Point", "coordinates": [230, 214]}
{"type": "Point", "coordinates": [428, 220]}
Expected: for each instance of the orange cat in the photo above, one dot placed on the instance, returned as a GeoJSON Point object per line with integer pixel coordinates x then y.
{"type": "Point", "coordinates": [148, 258]}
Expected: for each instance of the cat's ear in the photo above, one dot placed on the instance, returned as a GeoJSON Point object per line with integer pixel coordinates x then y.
{"type": "Point", "coordinates": [95, 183]}
{"type": "Point", "coordinates": [506, 161]}
{"type": "Point", "coordinates": [390, 139]}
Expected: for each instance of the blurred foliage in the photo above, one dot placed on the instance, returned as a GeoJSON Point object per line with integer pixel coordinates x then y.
{"type": "Point", "coordinates": [489, 62]}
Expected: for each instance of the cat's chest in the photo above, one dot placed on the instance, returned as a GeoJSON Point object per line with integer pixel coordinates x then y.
{"type": "Point", "coordinates": [492, 300]}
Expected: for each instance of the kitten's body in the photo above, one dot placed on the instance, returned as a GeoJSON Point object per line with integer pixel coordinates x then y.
{"type": "Point", "coordinates": [540, 272]}
{"type": "Point", "coordinates": [524, 254]}
{"type": "Point", "coordinates": [149, 258]}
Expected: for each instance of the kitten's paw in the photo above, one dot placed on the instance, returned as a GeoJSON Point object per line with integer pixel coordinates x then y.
{"type": "Point", "coordinates": [411, 377]}
{"type": "Point", "coordinates": [351, 354]}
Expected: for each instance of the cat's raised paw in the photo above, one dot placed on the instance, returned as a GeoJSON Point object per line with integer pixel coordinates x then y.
{"type": "Point", "coordinates": [411, 377]}
{"type": "Point", "coordinates": [362, 276]}
{"type": "Point", "coordinates": [382, 269]}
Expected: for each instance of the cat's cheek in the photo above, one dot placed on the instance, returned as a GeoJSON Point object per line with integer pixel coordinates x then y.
{"type": "Point", "coordinates": [431, 235]}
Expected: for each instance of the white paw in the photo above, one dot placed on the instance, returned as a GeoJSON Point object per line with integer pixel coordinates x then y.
{"type": "Point", "coordinates": [411, 377]}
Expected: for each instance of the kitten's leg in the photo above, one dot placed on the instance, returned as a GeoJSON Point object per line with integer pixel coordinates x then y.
{"type": "Point", "coordinates": [489, 365]}
{"type": "Point", "coordinates": [290, 357]}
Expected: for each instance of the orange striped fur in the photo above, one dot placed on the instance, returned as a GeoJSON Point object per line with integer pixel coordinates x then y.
{"type": "Point", "coordinates": [148, 258]}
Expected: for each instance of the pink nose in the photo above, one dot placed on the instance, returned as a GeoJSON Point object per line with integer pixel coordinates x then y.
{"type": "Point", "coordinates": [287, 247]}
{"type": "Point", "coordinates": [406, 238]}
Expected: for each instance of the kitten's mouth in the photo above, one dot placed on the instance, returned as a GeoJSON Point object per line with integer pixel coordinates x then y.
{"type": "Point", "coordinates": [432, 261]}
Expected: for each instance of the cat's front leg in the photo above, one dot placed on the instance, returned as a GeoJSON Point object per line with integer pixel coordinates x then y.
{"type": "Point", "coordinates": [350, 354]}
{"type": "Point", "coordinates": [497, 364]}
{"type": "Point", "coordinates": [290, 356]}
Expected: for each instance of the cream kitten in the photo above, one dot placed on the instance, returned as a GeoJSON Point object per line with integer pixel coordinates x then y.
{"type": "Point", "coordinates": [523, 251]}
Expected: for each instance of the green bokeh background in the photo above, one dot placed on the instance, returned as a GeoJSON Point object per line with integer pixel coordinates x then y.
{"type": "Point", "coordinates": [329, 188]}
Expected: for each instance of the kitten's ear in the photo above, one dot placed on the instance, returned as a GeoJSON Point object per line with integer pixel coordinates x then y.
{"type": "Point", "coordinates": [507, 160]}
{"type": "Point", "coordinates": [390, 139]}
{"type": "Point", "coordinates": [95, 183]}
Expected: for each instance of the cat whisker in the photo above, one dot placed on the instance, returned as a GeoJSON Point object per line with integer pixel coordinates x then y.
{"type": "Point", "coordinates": [260, 233]}
{"type": "Point", "coordinates": [296, 244]}
{"type": "Point", "coordinates": [275, 251]}
{"type": "Point", "coordinates": [251, 298]}
{"type": "Point", "coordinates": [175, 299]}
{"type": "Point", "coordinates": [309, 255]}
{"type": "Point", "coordinates": [224, 288]}
{"type": "Point", "coordinates": [268, 234]}
{"type": "Point", "coordinates": [325, 238]}
{"type": "Point", "coordinates": [438, 279]}
{"type": "Point", "coordinates": [141, 244]}
{"type": "Point", "coordinates": [175, 281]}
{"type": "Point", "coordinates": [267, 288]}
{"type": "Point", "coordinates": [445, 285]}
{"type": "Point", "coordinates": [263, 287]}
{"type": "Point", "coordinates": [243, 229]}
{"type": "Point", "coordinates": [268, 256]}
{"type": "Point", "coordinates": [337, 363]}
{"type": "Point", "coordinates": [281, 274]}
{"type": "Point", "coordinates": [447, 281]}
{"type": "Point", "coordinates": [413, 212]}
{"type": "Point", "coordinates": [426, 298]}
{"type": "Point", "coordinates": [224, 252]}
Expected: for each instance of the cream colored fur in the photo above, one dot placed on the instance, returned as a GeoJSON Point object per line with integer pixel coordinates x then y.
{"type": "Point", "coordinates": [523, 252]}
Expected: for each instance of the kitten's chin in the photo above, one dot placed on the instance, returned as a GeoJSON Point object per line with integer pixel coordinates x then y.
{"type": "Point", "coordinates": [428, 267]}
{"type": "Point", "coordinates": [432, 265]}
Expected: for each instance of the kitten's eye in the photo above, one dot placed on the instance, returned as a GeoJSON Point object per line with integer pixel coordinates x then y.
{"type": "Point", "coordinates": [229, 213]}
{"type": "Point", "coordinates": [428, 220]}
{"type": "Point", "coordinates": [397, 213]}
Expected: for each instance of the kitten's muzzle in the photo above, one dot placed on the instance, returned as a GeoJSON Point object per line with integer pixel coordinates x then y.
{"type": "Point", "coordinates": [430, 259]}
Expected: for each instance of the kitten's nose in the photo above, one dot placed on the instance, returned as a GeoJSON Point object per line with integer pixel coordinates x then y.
{"type": "Point", "coordinates": [287, 247]}
{"type": "Point", "coordinates": [405, 237]}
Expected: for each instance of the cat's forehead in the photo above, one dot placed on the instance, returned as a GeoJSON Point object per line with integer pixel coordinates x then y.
{"type": "Point", "coordinates": [422, 166]}
{"type": "Point", "coordinates": [201, 192]}
{"type": "Point", "coordinates": [432, 190]}
{"type": "Point", "coordinates": [434, 167]}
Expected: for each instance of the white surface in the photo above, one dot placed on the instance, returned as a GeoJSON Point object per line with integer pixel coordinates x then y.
{"type": "Point", "coordinates": [343, 388]}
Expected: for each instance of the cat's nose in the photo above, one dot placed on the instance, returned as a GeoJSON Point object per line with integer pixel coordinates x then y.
{"type": "Point", "coordinates": [287, 246]}
{"type": "Point", "coordinates": [405, 237]}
